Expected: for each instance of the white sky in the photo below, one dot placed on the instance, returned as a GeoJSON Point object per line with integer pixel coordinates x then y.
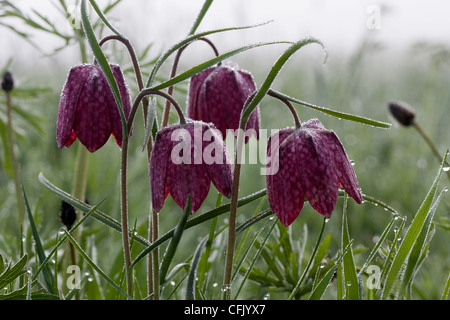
{"type": "Point", "coordinates": [340, 24]}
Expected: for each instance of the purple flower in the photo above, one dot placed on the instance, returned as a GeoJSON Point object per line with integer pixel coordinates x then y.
{"type": "Point", "coordinates": [218, 95]}
{"type": "Point", "coordinates": [307, 163]}
{"type": "Point", "coordinates": [87, 109]}
{"type": "Point", "coordinates": [184, 161]}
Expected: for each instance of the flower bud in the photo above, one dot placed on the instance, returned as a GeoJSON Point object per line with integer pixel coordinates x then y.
{"type": "Point", "coordinates": [67, 214]}
{"type": "Point", "coordinates": [402, 112]}
{"type": "Point", "coordinates": [7, 81]}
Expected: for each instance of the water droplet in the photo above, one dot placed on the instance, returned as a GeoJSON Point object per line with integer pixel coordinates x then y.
{"type": "Point", "coordinates": [327, 219]}
{"type": "Point", "coordinates": [172, 283]}
{"type": "Point", "coordinates": [226, 287]}
{"type": "Point", "coordinates": [215, 284]}
{"type": "Point", "coordinates": [446, 166]}
{"type": "Point", "coordinates": [267, 296]}
{"type": "Point", "coordinates": [349, 283]}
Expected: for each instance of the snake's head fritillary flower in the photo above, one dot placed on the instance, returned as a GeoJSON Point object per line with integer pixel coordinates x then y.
{"type": "Point", "coordinates": [87, 108]}
{"type": "Point", "coordinates": [185, 159]}
{"type": "Point", "coordinates": [218, 95]}
{"type": "Point", "coordinates": [310, 163]}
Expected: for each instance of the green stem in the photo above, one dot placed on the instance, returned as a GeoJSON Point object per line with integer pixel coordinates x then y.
{"type": "Point", "coordinates": [297, 286]}
{"type": "Point", "coordinates": [14, 162]}
{"type": "Point", "coordinates": [429, 142]}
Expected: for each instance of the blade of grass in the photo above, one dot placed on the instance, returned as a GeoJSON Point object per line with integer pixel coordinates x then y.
{"type": "Point", "coordinates": [94, 266]}
{"type": "Point", "coordinates": [351, 283]}
{"type": "Point", "coordinates": [334, 113]}
{"type": "Point", "coordinates": [173, 245]}
{"type": "Point", "coordinates": [192, 277]}
{"type": "Point", "coordinates": [48, 276]}
{"type": "Point", "coordinates": [255, 258]}
{"type": "Point", "coordinates": [319, 290]}
{"type": "Point", "coordinates": [418, 249]}
{"type": "Point", "coordinates": [297, 286]}
{"type": "Point", "coordinates": [411, 236]}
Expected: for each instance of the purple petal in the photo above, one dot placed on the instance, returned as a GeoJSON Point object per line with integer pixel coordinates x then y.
{"type": "Point", "coordinates": [126, 104]}
{"type": "Point", "coordinates": [159, 160]}
{"type": "Point", "coordinates": [284, 190]}
{"type": "Point", "coordinates": [68, 103]}
{"type": "Point", "coordinates": [317, 176]}
{"type": "Point", "coordinates": [193, 103]}
{"type": "Point", "coordinates": [344, 169]}
{"type": "Point", "coordinates": [92, 123]}
{"type": "Point", "coordinates": [185, 179]}
{"type": "Point", "coordinates": [219, 167]}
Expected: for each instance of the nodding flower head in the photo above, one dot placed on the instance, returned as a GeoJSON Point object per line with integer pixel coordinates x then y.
{"type": "Point", "coordinates": [87, 108]}
{"type": "Point", "coordinates": [310, 163]}
{"type": "Point", "coordinates": [218, 95]}
{"type": "Point", "coordinates": [185, 159]}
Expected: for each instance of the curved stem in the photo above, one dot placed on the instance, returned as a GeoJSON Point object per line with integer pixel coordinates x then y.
{"type": "Point", "coordinates": [123, 183]}
{"type": "Point", "coordinates": [132, 53]}
{"type": "Point", "coordinates": [146, 92]}
{"type": "Point", "coordinates": [297, 122]}
{"type": "Point", "coordinates": [174, 70]}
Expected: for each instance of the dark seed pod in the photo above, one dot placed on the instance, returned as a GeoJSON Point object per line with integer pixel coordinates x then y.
{"type": "Point", "coordinates": [67, 214]}
{"type": "Point", "coordinates": [7, 81]}
{"type": "Point", "coordinates": [402, 112]}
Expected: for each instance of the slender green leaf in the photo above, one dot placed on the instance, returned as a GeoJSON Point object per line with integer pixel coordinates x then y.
{"type": "Point", "coordinates": [173, 245]}
{"type": "Point", "coordinates": [48, 276]}
{"type": "Point", "coordinates": [446, 292]}
{"type": "Point", "coordinates": [12, 273]}
{"type": "Point", "coordinates": [199, 68]}
{"type": "Point", "coordinates": [94, 266]}
{"type": "Point", "coordinates": [104, 19]}
{"type": "Point", "coordinates": [200, 16]}
{"type": "Point", "coordinates": [319, 290]}
{"type": "Point", "coordinates": [350, 277]}
{"type": "Point", "coordinates": [192, 277]}
{"type": "Point", "coordinates": [411, 236]}
{"type": "Point", "coordinates": [334, 113]}
{"type": "Point", "coordinates": [182, 43]}
{"type": "Point", "coordinates": [273, 74]}
{"type": "Point", "coordinates": [255, 258]}
{"type": "Point", "coordinates": [419, 248]}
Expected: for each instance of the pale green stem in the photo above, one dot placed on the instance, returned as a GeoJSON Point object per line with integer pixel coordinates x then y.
{"type": "Point", "coordinates": [14, 162]}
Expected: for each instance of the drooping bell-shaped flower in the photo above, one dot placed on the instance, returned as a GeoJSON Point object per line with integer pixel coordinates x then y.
{"type": "Point", "coordinates": [218, 95]}
{"type": "Point", "coordinates": [310, 163]}
{"type": "Point", "coordinates": [185, 159]}
{"type": "Point", "coordinates": [87, 109]}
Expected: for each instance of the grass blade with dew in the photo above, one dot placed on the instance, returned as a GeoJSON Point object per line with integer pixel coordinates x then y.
{"type": "Point", "coordinates": [411, 236]}
{"type": "Point", "coordinates": [47, 272]}
{"type": "Point", "coordinates": [192, 277]}
{"type": "Point", "coordinates": [351, 282]}
{"type": "Point", "coordinates": [173, 245]}
{"type": "Point", "coordinates": [94, 266]}
{"type": "Point", "coordinates": [334, 113]}
{"type": "Point", "coordinates": [319, 290]}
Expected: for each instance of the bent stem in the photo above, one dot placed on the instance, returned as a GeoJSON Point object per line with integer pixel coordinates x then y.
{"type": "Point", "coordinates": [291, 108]}
{"type": "Point", "coordinates": [429, 141]}
{"type": "Point", "coordinates": [174, 70]}
{"type": "Point", "coordinates": [123, 184]}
